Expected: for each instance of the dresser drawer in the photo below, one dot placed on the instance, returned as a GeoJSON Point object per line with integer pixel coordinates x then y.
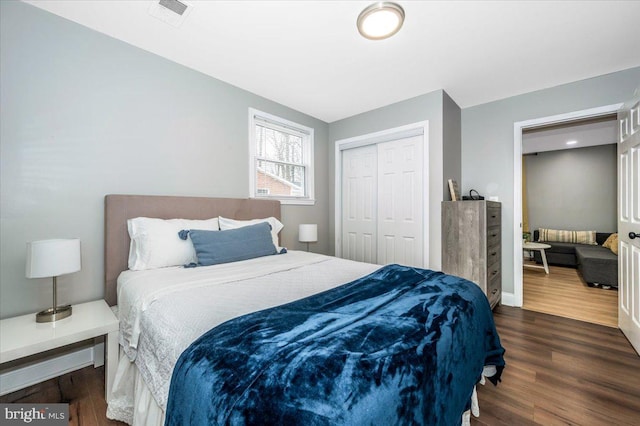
{"type": "Point", "coordinates": [493, 254]}
{"type": "Point", "coordinates": [493, 271]}
{"type": "Point", "coordinates": [493, 236]}
{"type": "Point", "coordinates": [493, 216]}
{"type": "Point", "coordinates": [494, 289]}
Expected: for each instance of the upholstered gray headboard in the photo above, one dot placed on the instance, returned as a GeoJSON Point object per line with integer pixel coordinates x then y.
{"type": "Point", "coordinates": [119, 208]}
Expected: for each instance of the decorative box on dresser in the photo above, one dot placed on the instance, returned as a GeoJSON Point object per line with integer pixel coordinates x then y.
{"type": "Point", "coordinates": [471, 244]}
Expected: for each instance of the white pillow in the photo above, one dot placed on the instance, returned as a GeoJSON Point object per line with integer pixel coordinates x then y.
{"type": "Point", "coordinates": [155, 242]}
{"type": "Point", "coordinates": [276, 226]}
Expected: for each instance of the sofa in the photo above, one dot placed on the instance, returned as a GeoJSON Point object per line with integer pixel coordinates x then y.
{"type": "Point", "coordinates": [597, 264]}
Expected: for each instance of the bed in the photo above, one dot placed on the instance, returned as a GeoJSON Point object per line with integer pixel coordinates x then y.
{"type": "Point", "coordinates": [354, 343]}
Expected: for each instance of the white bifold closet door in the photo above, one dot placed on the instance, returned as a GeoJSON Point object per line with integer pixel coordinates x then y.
{"type": "Point", "coordinates": [383, 202]}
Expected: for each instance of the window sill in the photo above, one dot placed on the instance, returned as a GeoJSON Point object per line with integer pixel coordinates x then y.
{"type": "Point", "coordinates": [290, 201]}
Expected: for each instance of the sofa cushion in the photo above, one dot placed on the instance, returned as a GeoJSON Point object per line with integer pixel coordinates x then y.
{"type": "Point", "coordinates": [598, 265]}
{"type": "Point", "coordinates": [597, 255]}
{"type": "Point", "coordinates": [612, 243]}
{"type": "Point", "coordinates": [558, 259]}
{"type": "Point", "coordinates": [564, 236]}
{"type": "Point", "coordinates": [601, 237]}
{"type": "Point", "coordinates": [566, 248]}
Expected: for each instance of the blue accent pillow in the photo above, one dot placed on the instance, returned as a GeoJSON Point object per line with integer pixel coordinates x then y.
{"type": "Point", "coordinates": [215, 247]}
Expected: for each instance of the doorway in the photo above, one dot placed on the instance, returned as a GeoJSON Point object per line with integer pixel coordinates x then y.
{"type": "Point", "coordinates": [381, 195]}
{"type": "Point", "coordinates": [569, 175]}
{"type": "Point", "coordinates": [519, 127]}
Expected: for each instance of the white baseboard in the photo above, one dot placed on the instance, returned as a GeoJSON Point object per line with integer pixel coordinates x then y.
{"type": "Point", "coordinates": [20, 377]}
{"type": "Point", "coordinates": [508, 299]}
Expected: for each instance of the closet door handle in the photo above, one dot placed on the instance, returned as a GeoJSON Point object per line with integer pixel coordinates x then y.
{"type": "Point", "coordinates": [633, 235]}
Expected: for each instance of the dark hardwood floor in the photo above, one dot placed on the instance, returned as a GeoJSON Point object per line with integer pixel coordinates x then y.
{"type": "Point", "coordinates": [559, 372]}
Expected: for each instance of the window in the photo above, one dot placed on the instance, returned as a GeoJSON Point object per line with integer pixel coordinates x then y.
{"type": "Point", "coordinates": [280, 158]}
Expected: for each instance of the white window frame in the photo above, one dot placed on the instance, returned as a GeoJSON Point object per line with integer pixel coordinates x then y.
{"type": "Point", "coordinates": [306, 133]}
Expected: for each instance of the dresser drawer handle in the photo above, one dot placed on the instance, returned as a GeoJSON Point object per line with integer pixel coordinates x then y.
{"type": "Point", "coordinates": [493, 216]}
{"type": "Point", "coordinates": [494, 253]}
{"type": "Point", "coordinates": [495, 290]}
{"type": "Point", "coordinates": [494, 272]}
{"type": "Point", "coordinates": [494, 235]}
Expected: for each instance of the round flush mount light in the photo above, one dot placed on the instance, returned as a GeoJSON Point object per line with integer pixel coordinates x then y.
{"type": "Point", "coordinates": [572, 142]}
{"type": "Point", "coordinates": [380, 20]}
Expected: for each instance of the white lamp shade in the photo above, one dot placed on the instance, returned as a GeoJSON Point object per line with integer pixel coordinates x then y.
{"type": "Point", "coordinates": [51, 258]}
{"type": "Point", "coordinates": [308, 233]}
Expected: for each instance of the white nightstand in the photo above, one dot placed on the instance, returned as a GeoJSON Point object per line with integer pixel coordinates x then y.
{"type": "Point", "coordinates": [22, 336]}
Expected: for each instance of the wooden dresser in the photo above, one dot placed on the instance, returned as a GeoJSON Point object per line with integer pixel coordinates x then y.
{"type": "Point", "coordinates": [471, 244]}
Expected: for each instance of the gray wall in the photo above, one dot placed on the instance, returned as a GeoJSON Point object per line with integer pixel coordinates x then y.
{"type": "Point", "coordinates": [84, 115]}
{"type": "Point", "coordinates": [425, 107]}
{"type": "Point", "coordinates": [452, 143]}
{"type": "Point", "coordinates": [573, 189]}
{"type": "Point", "coordinates": [488, 141]}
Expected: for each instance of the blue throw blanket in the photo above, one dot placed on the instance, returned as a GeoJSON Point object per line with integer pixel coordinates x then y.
{"type": "Point", "coordinates": [400, 346]}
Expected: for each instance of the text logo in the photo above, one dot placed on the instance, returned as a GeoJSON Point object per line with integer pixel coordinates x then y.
{"type": "Point", "coordinates": [34, 414]}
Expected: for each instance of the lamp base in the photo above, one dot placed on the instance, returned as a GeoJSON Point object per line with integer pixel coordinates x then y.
{"type": "Point", "coordinates": [53, 315]}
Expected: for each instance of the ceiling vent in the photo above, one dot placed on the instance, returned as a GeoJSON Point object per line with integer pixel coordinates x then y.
{"type": "Point", "coordinates": [173, 12]}
{"type": "Point", "coordinates": [174, 5]}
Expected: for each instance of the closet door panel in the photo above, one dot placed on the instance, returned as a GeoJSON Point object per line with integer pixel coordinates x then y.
{"type": "Point", "coordinates": [400, 201]}
{"type": "Point", "coordinates": [359, 201]}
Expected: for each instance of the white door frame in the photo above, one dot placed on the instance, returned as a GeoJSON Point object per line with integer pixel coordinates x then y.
{"type": "Point", "coordinates": [518, 127]}
{"type": "Point", "coordinates": [409, 130]}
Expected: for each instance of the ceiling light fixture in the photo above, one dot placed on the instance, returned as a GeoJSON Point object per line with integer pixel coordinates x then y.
{"type": "Point", "coordinates": [572, 142]}
{"type": "Point", "coordinates": [380, 20]}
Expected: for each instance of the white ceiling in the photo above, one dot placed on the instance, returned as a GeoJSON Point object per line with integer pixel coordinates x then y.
{"type": "Point", "coordinates": [601, 131]}
{"type": "Point", "coordinates": [309, 56]}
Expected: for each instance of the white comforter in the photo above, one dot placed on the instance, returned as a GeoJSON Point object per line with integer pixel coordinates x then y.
{"type": "Point", "coordinates": [163, 311]}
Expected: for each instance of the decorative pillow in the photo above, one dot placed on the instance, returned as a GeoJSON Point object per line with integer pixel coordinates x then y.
{"type": "Point", "coordinates": [612, 243]}
{"type": "Point", "coordinates": [155, 242]}
{"type": "Point", "coordinates": [276, 225]}
{"type": "Point", "coordinates": [562, 236]}
{"type": "Point", "coordinates": [233, 245]}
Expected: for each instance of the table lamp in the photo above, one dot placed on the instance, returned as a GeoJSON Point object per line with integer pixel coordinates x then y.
{"type": "Point", "coordinates": [308, 233]}
{"type": "Point", "coordinates": [52, 258]}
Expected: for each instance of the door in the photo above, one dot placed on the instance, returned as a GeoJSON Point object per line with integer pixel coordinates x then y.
{"type": "Point", "coordinates": [400, 195]}
{"type": "Point", "coordinates": [629, 221]}
{"type": "Point", "coordinates": [359, 203]}
{"type": "Point", "coordinates": [382, 202]}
